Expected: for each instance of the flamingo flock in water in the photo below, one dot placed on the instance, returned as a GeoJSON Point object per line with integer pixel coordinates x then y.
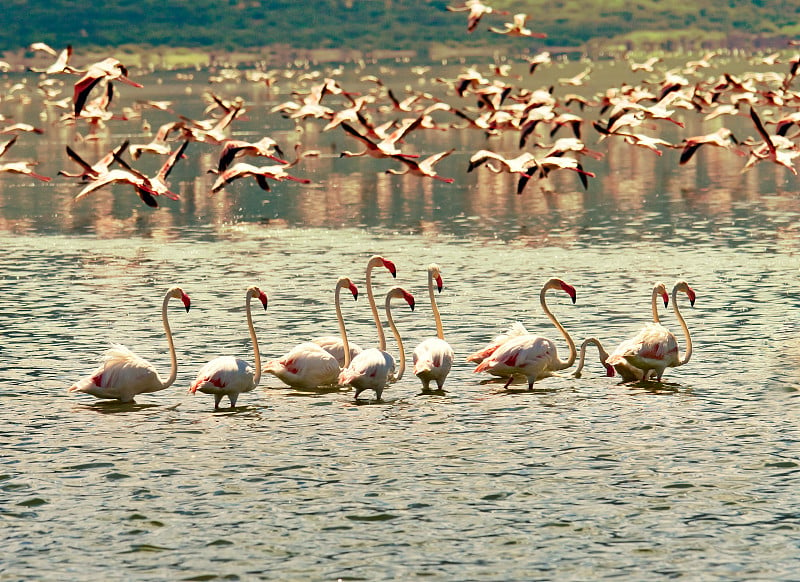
{"type": "Point", "coordinates": [334, 361]}
{"type": "Point", "coordinates": [494, 102]}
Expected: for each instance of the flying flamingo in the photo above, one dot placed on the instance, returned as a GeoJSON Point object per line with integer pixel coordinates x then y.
{"type": "Point", "coordinates": [373, 368]}
{"type": "Point", "coordinates": [229, 376]}
{"type": "Point", "coordinates": [423, 168]}
{"type": "Point", "coordinates": [93, 171]}
{"type": "Point", "coordinates": [260, 173]}
{"type": "Point", "coordinates": [309, 364]}
{"type": "Point", "coordinates": [530, 355]}
{"type": "Point", "coordinates": [601, 352]}
{"type": "Point", "coordinates": [655, 348]}
{"type": "Point", "coordinates": [110, 69]}
{"type": "Point", "coordinates": [23, 167]}
{"type": "Point", "coordinates": [433, 357]}
{"type": "Point", "coordinates": [626, 370]}
{"type": "Point", "coordinates": [122, 374]}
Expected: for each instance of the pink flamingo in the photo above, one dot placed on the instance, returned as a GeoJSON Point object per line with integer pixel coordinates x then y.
{"type": "Point", "coordinates": [532, 356]}
{"type": "Point", "coordinates": [655, 348]}
{"type": "Point", "coordinates": [374, 368]}
{"type": "Point", "coordinates": [433, 357]}
{"type": "Point", "coordinates": [110, 69]}
{"type": "Point", "coordinates": [230, 376]}
{"type": "Point", "coordinates": [625, 369]}
{"type": "Point", "coordinates": [309, 364]}
{"type": "Point", "coordinates": [122, 374]}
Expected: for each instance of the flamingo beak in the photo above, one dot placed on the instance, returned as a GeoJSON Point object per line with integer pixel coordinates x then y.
{"type": "Point", "coordinates": [410, 300]}
{"type": "Point", "coordinates": [390, 266]}
{"type": "Point", "coordinates": [570, 290]}
{"type": "Point", "coordinates": [439, 283]}
{"type": "Point", "coordinates": [263, 298]}
{"type": "Point", "coordinates": [354, 291]}
{"type": "Point", "coordinates": [610, 372]}
{"type": "Point", "coordinates": [665, 297]}
{"type": "Point", "coordinates": [187, 303]}
{"type": "Point", "coordinates": [690, 293]}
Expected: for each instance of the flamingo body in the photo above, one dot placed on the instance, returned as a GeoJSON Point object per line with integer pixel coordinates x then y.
{"type": "Point", "coordinates": [335, 347]}
{"type": "Point", "coordinates": [121, 376]}
{"type": "Point", "coordinates": [369, 370]}
{"type": "Point", "coordinates": [306, 366]}
{"type": "Point", "coordinates": [534, 357]}
{"type": "Point", "coordinates": [433, 359]}
{"type": "Point", "coordinates": [224, 376]}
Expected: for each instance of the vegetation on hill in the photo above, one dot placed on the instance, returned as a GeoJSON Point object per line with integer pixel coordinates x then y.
{"type": "Point", "coordinates": [396, 24]}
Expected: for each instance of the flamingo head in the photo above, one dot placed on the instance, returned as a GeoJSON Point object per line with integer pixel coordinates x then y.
{"type": "Point", "coordinates": [256, 292]}
{"type": "Point", "coordinates": [684, 287]}
{"type": "Point", "coordinates": [661, 289]}
{"type": "Point", "coordinates": [400, 293]}
{"type": "Point", "coordinates": [353, 289]}
{"type": "Point", "coordinates": [610, 372]}
{"type": "Point", "coordinates": [389, 266]}
{"type": "Point", "coordinates": [436, 274]}
{"type": "Point", "coordinates": [568, 289]}
{"type": "Point", "coordinates": [178, 293]}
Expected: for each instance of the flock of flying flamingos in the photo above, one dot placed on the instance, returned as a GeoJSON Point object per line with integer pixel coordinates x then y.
{"type": "Point", "coordinates": [630, 113]}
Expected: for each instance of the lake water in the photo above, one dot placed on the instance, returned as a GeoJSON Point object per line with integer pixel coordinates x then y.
{"type": "Point", "coordinates": [578, 479]}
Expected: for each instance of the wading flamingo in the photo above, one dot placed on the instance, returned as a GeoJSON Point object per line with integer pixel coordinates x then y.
{"type": "Point", "coordinates": [531, 355]}
{"type": "Point", "coordinates": [625, 369]}
{"type": "Point", "coordinates": [655, 348]}
{"type": "Point", "coordinates": [122, 374]}
{"type": "Point", "coordinates": [433, 357]}
{"type": "Point", "coordinates": [373, 368]}
{"type": "Point", "coordinates": [230, 376]}
{"type": "Point", "coordinates": [309, 364]}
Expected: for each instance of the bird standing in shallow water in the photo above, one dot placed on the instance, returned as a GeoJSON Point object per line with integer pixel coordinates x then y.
{"type": "Point", "coordinates": [230, 376]}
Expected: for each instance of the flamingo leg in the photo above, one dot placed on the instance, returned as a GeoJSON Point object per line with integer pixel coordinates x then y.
{"type": "Point", "coordinates": [507, 384]}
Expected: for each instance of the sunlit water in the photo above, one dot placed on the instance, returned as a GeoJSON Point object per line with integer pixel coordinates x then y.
{"type": "Point", "coordinates": [578, 479]}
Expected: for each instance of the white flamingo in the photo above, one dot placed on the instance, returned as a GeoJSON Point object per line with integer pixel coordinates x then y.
{"type": "Point", "coordinates": [655, 348]}
{"type": "Point", "coordinates": [230, 376]}
{"type": "Point", "coordinates": [373, 368]}
{"type": "Point", "coordinates": [122, 374]}
{"type": "Point", "coordinates": [309, 364]}
{"type": "Point", "coordinates": [531, 355]}
{"type": "Point", "coordinates": [433, 357]}
{"type": "Point", "coordinates": [625, 369]}
{"type": "Point", "coordinates": [603, 354]}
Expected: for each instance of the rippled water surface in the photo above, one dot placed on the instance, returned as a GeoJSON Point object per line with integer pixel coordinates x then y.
{"type": "Point", "coordinates": [578, 479]}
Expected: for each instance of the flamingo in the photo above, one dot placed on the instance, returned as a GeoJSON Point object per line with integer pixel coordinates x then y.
{"type": "Point", "coordinates": [601, 352]}
{"type": "Point", "coordinates": [260, 173]}
{"type": "Point", "coordinates": [229, 376]}
{"type": "Point", "coordinates": [433, 357]}
{"type": "Point", "coordinates": [122, 374]}
{"type": "Point", "coordinates": [423, 168]}
{"type": "Point", "coordinates": [517, 28]}
{"type": "Point", "coordinates": [310, 364]}
{"type": "Point", "coordinates": [373, 368]}
{"type": "Point", "coordinates": [23, 167]}
{"type": "Point", "coordinates": [377, 261]}
{"type": "Point", "coordinates": [530, 355]}
{"type": "Point", "coordinates": [722, 138]}
{"type": "Point", "coordinates": [110, 69]}
{"type": "Point", "coordinates": [93, 171]}
{"type": "Point", "coordinates": [233, 147]}
{"type": "Point", "coordinates": [655, 348]}
{"type": "Point", "coordinates": [626, 370]}
{"type": "Point", "coordinates": [385, 148]}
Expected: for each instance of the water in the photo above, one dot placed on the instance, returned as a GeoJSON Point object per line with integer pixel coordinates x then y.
{"type": "Point", "coordinates": [579, 479]}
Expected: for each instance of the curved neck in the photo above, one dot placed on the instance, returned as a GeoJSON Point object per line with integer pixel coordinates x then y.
{"type": "Point", "coordinates": [600, 350]}
{"type": "Point", "coordinates": [402, 367]}
{"type": "Point", "coordinates": [173, 358]}
{"type": "Point", "coordinates": [254, 339]}
{"type": "Point", "coordinates": [654, 305]}
{"type": "Point", "coordinates": [688, 353]}
{"type": "Point", "coordinates": [371, 297]}
{"type": "Point", "coordinates": [435, 308]}
{"type": "Point", "coordinates": [573, 353]}
{"type": "Point", "coordinates": [342, 331]}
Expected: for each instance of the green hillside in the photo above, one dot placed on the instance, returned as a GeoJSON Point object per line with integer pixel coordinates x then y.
{"type": "Point", "coordinates": [395, 24]}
